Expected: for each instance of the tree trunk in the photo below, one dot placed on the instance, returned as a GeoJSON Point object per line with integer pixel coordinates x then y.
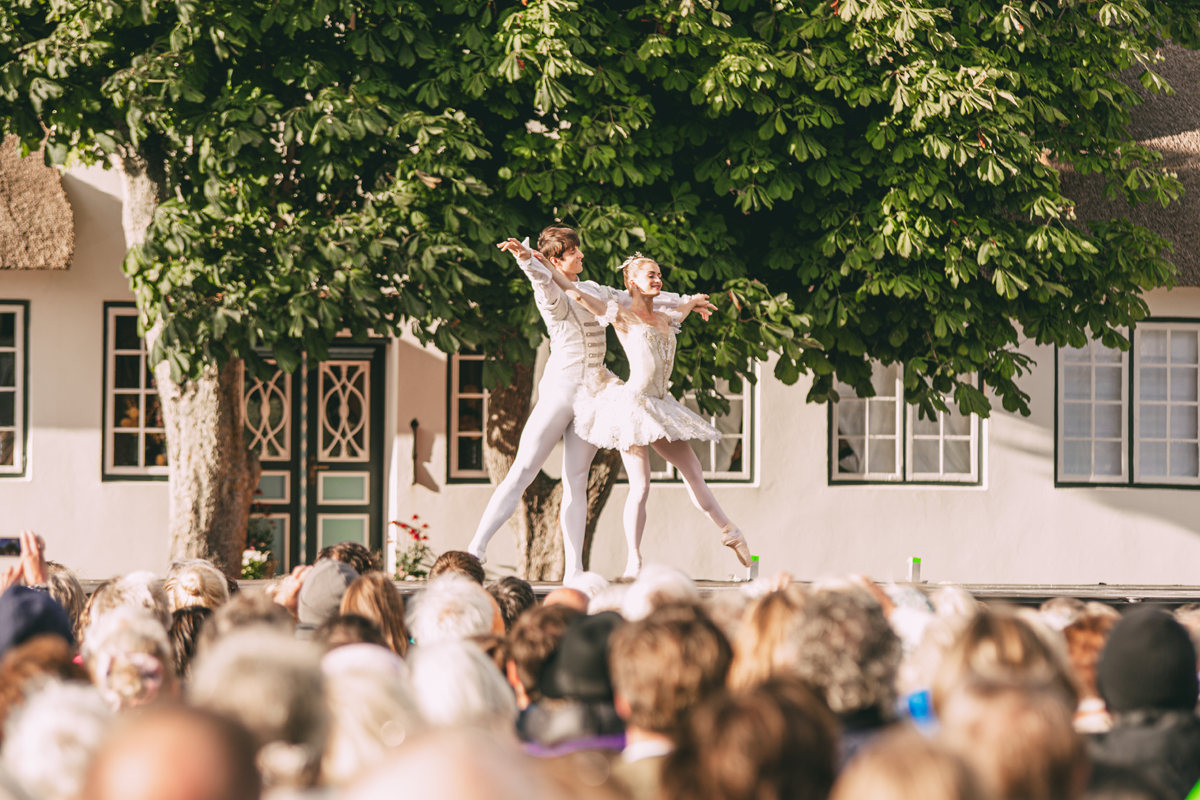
{"type": "Point", "coordinates": [536, 523]}
{"type": "Point", "coordinates": [212, 475]}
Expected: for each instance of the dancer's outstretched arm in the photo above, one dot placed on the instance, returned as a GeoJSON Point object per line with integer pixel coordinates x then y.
{"type": "Point", "coordinates": [538, 271]}
{"type": "Point", "coordinates": [579, 294]}
{"type": "Point", "coordinates": [697, 302]}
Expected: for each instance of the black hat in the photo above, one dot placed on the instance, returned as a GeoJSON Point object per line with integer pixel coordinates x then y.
{"type": "Point", "coordinates": [25, 613]}
{"type": "Point", "coordinates": [578, 667]}
{"type": "Point", "coordinates": [1148, 663]}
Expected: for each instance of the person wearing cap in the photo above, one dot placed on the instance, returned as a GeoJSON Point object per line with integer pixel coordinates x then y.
{"type": "Point", "coordinates": [1147, 677]}
{"type": "Point", "coordinates": [321, 595]}
{"type": "Point", "coordinates": [26, 613]}
{"type": "Point", "coordinates": [575, 710]}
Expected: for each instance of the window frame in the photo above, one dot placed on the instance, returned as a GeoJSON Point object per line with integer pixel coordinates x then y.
{"type": "Point", "coordinates": [109, 471]}
{"type": "Point", "coordinates": [1060, 399]}
{"type": "Point", "coordinates": [1131, 450]}
{"type": "Point", "coordinates": [453, 473]}
{"type": "Point", "coordinates": [1134, 410]}
{"type": "Point", "coordinates": [905, 474]}
{"type": "Point", "coordinates": [20, 466]}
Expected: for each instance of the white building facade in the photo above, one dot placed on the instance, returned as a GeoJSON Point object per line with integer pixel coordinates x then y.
{"type": "Point", "coordinates": [1099, 484]}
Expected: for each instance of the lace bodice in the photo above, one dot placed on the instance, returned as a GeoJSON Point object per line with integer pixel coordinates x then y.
{"type": "Point", "coordinates": [651, 352]}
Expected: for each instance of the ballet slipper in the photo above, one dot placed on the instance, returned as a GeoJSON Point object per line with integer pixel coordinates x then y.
{"type": "Point", "coordinates": [735, 540]}
{"type": "Point", "coordinates": [633, 566]}
{"type": "Point", "coordinates": [481, 556]}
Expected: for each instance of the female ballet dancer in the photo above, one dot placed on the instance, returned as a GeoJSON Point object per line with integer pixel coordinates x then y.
{"type": "Point", "coordinates": [641, 413]}
{"type": "Point", "coordinates": [576, 349]}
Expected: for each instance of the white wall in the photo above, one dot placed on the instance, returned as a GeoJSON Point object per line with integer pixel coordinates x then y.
{"type": "Point", "coordinates": [98, 529]}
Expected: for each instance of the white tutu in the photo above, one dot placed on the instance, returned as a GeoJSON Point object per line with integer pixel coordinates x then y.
{"type": "Point", "coordinates": [617, 418]}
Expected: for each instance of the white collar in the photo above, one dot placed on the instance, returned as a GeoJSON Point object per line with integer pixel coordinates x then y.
{"type": "Point", "coordinates": [648, 748]}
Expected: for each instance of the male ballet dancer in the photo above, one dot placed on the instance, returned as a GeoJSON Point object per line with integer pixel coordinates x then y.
{"type": "Point", "coordinates": [577, 347]}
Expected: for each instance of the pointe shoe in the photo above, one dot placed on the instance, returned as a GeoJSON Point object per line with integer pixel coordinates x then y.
{"type": "Point", "coordinates": [735, 540]}
{"type": "Point", "coordinates": [633, 566]}
{"type": "Point", "coordinates": [482, 556]}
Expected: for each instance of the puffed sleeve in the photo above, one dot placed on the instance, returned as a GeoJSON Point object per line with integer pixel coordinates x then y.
{"type": "Point", "coordinates": [674, 319]}
{"type": "Point", "coordinates": [610, 314]}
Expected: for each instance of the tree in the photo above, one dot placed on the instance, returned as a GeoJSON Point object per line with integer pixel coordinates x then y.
{"type": "Point", "coordinates": [878, 177]}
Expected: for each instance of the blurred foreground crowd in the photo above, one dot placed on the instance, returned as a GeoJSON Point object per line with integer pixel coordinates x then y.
{"type": "Point", "coordinates": [327, 685]}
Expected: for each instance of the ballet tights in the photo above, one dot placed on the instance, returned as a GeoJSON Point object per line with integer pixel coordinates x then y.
{"type": "Point", "coordinates": [549, 421]}
{"type": "Point", "coordinates": [637, 467]}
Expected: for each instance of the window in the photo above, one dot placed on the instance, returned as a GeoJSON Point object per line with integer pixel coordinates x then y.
{"type": "Point", "coordinates": [468, 410]}
{"type": "Point", "coordinates": [1165, 422]}
{"type": "Point", "coordinates": [1091, 411]}
{"type": "Point", "coordinates": [1156, 443]}
{"type": "Point", "coordinates": [13, 400]}
{"type": "Point", "coordinates": [882, 438]}
{"type": "Point", "coordinates": [135, 444]}
{"type": "Point", "coordinates": [726, 460]}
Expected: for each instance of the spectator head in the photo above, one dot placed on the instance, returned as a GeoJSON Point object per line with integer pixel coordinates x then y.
{"type": "Point", "coordinates": [776, 740]}
{"type": "Point", "coordinates": [375, 597]}
{"type": "Point", "coordinates": [1019, 740]}
{"type": "Point", "coordinates": [186, 624]}
{"type": "Point", "coordinates": [567, 597]}
{"type": "Point", "coordinates": [128, 653]}
{"type": "Point", "coordinates": [761, 649]}
{"type": "Point", "coordinates": [610, 598]}
{"type": "Point", "coordinates": [514, 596]}
{"type": "Point", "coordinates": [665, 664]}
{"type": "Point", "coordinates": [321, 594]}
{"type": "Point", "coordinates": [845, 649]}
{"type": "Point", "coordinates": [137, 589]}
{"type": "Point", "coordinates": [354, 554]}
{"type": "Point", "coordinates": [175, 753]}
{"type": "Point", "coordinates": [348, 629]}
{"type": "Point", "coordinates": [1189, 617]}
{"type": "Point", "coordinates": [244, 610]}
{"type": "Point", "coordinates": [531, 641]}
{"type": "Point", "coordinates": [1085, 641]}
{"type": "Point", "coordinates": [1059, 612]}
{"type": "Point", "coordinates": [998, 646]}
{"type": "Point", "coordinates": [458, 764]}
{"type": "Point", "coordinates": [271, 683]}
{"type": "Point", "coordinates": [1114, 782]}
{"type": "Point", "coordinates": [903, 764]}
{"type": "Point", "coordinates": [28, 665]}
{"type": "Point", "coordinates": [372, 711]}
{"type": "Point", "coordinates": [26, 613]}
{"type": "Point", "coordinates": [454, 683]}
{"type": "Point", "coordinates": [1148, 663]}
{"type": "Point", "coordinates": [458, 562]}
{"type": "Point", "coordinates": [195, 582]}
{"type": "Point", "coordinates": [656, 585]}
{"type": "Point", "coordinates": [590, 583]}
{"type": "Point", "coordinates": [578, 668]}
{"type": "Point", "coordinates": [450, 608]}
{"type": "Point", "coordinates": [66, 589]}
{"type": "Point", "coordinates": [50, 740]}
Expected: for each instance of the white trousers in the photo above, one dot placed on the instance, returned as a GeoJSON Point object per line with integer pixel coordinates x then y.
{"type": "Point", "coordinates": [549, 421]}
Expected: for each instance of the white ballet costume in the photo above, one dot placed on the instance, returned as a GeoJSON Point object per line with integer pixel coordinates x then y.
{"type": "Point", "coordinates": [618, 415]}
{"type": "Point", "coordinates": [640, 412]}
{"type": "Point", "coordinates": [577, 348]}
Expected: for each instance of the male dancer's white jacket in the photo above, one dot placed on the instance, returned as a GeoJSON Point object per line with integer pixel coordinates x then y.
{"type": "Point", "coordinates": [577, 347]}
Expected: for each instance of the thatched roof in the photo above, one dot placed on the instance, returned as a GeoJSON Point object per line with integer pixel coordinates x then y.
{"type": "Point", "coordinates": [1170, 125]}
{"type": "Point", "coordinates": [37, 228]}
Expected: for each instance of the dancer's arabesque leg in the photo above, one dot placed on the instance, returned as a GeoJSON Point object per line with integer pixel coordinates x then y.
{"type": "Point", "coordinates": [577, 463]}
{"type": "Point", "coordinates": [637, 468]}
{"type": "Point", "coordinates": [549, 419]}
{"type": "Point", "coordinates": [681, 455]}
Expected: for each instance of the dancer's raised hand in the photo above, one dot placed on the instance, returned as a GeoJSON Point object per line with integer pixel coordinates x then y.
{"type": "Point", "coordinates": [516, 248]}
{"type": "Point", "coordinates": [702, 306]}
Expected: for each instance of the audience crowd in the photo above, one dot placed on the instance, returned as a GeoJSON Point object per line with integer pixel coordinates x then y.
{"type": "Point", "coordinates": [329, 685]}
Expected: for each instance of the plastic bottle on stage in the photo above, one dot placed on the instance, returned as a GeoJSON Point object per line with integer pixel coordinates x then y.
{"type": "Point", "coordinates": [752, 570]}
